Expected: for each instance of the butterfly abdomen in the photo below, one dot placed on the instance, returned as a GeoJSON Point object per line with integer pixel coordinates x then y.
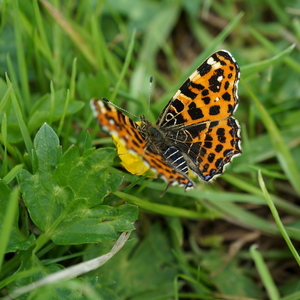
{"type": "Point", "coordinates": [175, 159]}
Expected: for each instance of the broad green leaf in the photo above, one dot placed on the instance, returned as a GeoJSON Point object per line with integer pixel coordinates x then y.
{"type": "Point", "coordinates": [65, 193]}
{"type": "Point", "coordinates": [228, 277]}
{"type": "Point", "coordinates": [139, 272]}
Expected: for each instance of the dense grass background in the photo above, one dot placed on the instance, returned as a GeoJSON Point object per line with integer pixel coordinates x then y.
{"type": "Point", "coordinates": [64, 202]}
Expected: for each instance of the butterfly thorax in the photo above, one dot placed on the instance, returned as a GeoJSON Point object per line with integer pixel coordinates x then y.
{"type": "Point", "coordinates": [158, 143]}
{"type": "Point", "coordinates": [155, 138]}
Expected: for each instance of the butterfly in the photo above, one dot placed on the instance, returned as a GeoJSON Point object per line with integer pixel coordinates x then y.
{"type": "Point", "coordinates": [195, 131]}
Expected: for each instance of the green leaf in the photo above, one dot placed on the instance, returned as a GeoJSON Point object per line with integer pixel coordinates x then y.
{"type": "Point", "coordinates": [98, 225]}
{"type": "Point", "coordinates": [65, 193]}
{"type": "Point", "coordinates": [150, 275]}
{"type": "Point", "coordinates": [47, 151]}
{"type": "Point", "coordinates": [228, 277]}
{"type": "Point", "coordinates": [87, 141]}
{"type": "Point", "coordinates": [33, 265]}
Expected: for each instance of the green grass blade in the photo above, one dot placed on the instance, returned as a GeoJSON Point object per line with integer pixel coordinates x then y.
{"type": "Point", "coordinates": [23, 71]}
{"type": "Point", "coordinates": [8, 222]}
{"type": "Point", "coordinates": [294, 296]}
{"type": "Point", "coordinates": [213, 45]}
{"type": "Point", "coordinates": [264, 274]}
{"type": "Point", "coordinates": [75, 36]}
{"type": "Point", "coordinates": [277, 219]}
{"type": "Point", "coordinates": [292, 63]}
{"type": "Point", "coordinates": [5, 98]}
{"type": "Point", "coordinates": [159, 208]}
{"type": "Point", "coordinates": [13, 78]}
{"type": "Point", "coordinates": [73, 79]}
{"type": "Point", "coordinates": [249, 188]}
{"type": "Point", "coordinates": [282, 16]}
{"type": "Point", "coordinates": [283, 153]}
{"type": "Point", "coordinates": [61, 122]}
{"type": "Point", "coordinates": [242, 216]}
{"type": "Point", "coordinates": [21, 122]}
{"type": "Point", "coordinates": [262, 65]}
{"type": "Point", "coordinates": [42, 34]}
{"type": "Point", "coordinates": [99, 42]}
{"type": "Point", "coordinates": [125, 66]}
{"type": "Point", "coordinates": [12, 174]}
{"type": "Point", "coordinates": [3, 169]}
{"type": "Point", "coordinates": [220, 38]}
{"type": "Point", "coordinates": [52, 103]}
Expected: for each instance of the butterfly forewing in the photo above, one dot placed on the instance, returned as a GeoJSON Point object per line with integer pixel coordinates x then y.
{"type": "Point", "coordinates": [209, 94]}
{"type": "Point", "coordinates": [118, 124]}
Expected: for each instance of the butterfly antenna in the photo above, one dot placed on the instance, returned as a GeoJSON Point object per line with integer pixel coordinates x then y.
{"type": "Point", "coordinates": [149, 98]}
{"type": "Point", "coordinates": [119, 107]}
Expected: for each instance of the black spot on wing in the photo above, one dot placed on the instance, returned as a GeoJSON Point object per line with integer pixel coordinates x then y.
{"type": "Point", "coordinates": [214, 84]}
{"type": "Point", "coordinates": [214, 110]}
{"type": "Point", "coordinates": [232, 123]}
{"type": "Point", "coordinates": [211, 157]}
{"type": "Point", "coordinates": [188, 86]}
{"type": "Point", "coordinates": [219, 148]}
{"type": "Point", "coordinates": [197, 86]}
{"type": "Point", "coordinates": [213, 124]}
{"type": "Point", "coordinates": [204, 69]}
{"type": "Point", "coordinates": [195, 112]}
{"type": "Point", "coordinates": [202, 151]}
{"type": "Point", "coordinates": [178, 105]}
{"type": "Point", "coordinates": [230, 108]}
{"type": "Point", "coordinates": [226, 96]}
{"type": "Point", "coordinates": [221, 135]}
{"type": "Point", "coordinates": [205, 167]}
{"type": "Point", "coordinates": [185, 90]}
{"type": "Point", "coordinates": [205, 92]}
{"type": "Point", "coordinates": [206, 100]}
{"type": "Point", "coordinates": [226, 55]}
{"type": "Point", "coordinates": [221, 132]}
{"type": "Point", "coordinates": [226, 85]}
{"type": "Point", "coordinates": [208, 145]}
{"type": "Point", "coordinates": [208, 137]}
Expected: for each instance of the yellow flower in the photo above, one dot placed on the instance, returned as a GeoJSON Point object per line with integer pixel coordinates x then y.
{"type": "Point", "coordinates": [133, 163]}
